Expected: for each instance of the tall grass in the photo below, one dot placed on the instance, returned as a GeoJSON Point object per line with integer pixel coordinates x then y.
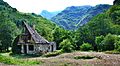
{"type": "Point", "coordinates": [15, 61]}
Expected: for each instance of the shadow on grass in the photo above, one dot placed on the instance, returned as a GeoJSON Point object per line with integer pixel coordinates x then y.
{"type": "Point", "coordinates": [22, 56]}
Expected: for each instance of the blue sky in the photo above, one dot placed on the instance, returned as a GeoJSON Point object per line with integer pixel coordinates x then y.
{"type": "Point", "coordinates": [36, 6]}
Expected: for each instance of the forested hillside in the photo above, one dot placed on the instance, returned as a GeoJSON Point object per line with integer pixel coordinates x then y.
{"type": "Point", "coordinates": [75, 16]}
{"type": "Point", "coordinates": [102, 32]}
{"type": "Point", "coordinates": [11, 25]}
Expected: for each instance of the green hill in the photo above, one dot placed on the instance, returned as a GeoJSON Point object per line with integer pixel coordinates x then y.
{"type": "Point", "coordinates": [75, 16]}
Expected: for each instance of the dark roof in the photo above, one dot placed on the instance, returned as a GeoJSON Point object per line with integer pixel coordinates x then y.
{"type": "Point", "coordinates": [36, 37]}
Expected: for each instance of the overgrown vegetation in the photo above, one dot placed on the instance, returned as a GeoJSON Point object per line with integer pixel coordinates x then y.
{"type": "Point", "coordinates": [52, 54]}
{"type": "Point", "coordinates": [86, 47]}
{"type": "Point", "coordinates": [15, 61]}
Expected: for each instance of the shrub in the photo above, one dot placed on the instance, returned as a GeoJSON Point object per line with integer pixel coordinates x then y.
{"type": "Point", "coordinates": [86, 47]}
{"type": "Point", "coordinates": [66, 46]}
{"type": "Point", "coordinates": [117, 45]}
{"type": "Point", "coordinates": [108, 42]}
{"type": "Point", "coordinates": [51, 54]}
{"type": "Point", "coordinates": [98, 41]}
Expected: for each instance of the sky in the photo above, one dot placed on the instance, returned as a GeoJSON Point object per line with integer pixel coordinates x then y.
{"type": "Point", "coordinates": [36, 6]}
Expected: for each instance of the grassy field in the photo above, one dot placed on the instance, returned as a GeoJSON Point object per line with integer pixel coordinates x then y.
{"type": "Point", "coordinates": [6, 58]}
{"type": "Point", "coordinates": [77, 58]}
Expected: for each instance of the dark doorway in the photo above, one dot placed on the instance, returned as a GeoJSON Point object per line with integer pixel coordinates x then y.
{"type": "Point", "coordinates": [52, 48]}
{"type": "Point", "coordinates": [25, 49]}
{"type": "Point", "coordinates": [19, 48]}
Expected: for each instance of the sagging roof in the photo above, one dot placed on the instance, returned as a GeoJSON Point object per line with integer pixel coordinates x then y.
{"type": "Point", "coordinates": [36, 37]}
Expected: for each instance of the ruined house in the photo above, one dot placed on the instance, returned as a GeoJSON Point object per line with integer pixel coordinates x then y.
{"type": "Point", "coordinates": [30, 42]}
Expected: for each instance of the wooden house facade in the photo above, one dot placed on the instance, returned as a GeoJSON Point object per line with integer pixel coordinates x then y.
{"type": "Point", "coordinates": [30, 42]}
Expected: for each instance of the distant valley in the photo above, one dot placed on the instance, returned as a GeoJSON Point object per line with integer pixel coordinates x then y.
{"type": "Point", "coordinates": [75, 16]}
{"type": "Point", "coordinates": [48, 15]}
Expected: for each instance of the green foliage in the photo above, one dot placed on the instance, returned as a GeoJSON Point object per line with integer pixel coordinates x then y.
{"type": "Point", "coordinates": [66, 46]}
{"type": "Point", "coordinates": [114, 13]}
{"type": "Point", "coordinates": [59, 35]}
{"type": "Point", "coordinates": [15, 61]}
{"type": "Point", "coordinates": [117, 45]}
{"type": "Point", "coordinates": [52, 54]}
{"type": "Point", "coordinates": [108, 42]}
{"type": "Point", "coordinates": [86, 47]}
{"type": "Point", "coordinates": [15, 48]}
{"type": "Point", "coordinates": [98, 41]}
{"type": "Point", "coordinates": [8, 31]}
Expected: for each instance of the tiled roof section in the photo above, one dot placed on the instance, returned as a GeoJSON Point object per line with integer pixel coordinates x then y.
{"type": "Point", "coordinates": [36, 37]}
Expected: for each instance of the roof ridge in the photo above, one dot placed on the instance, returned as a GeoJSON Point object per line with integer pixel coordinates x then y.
{"type": "Point", "coordinates": [36, 37]}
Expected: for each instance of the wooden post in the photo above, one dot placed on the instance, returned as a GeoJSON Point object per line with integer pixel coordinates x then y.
{"type": "Point", "coordinates": [27, 48]}
{"type": "Point", "coordinates": [22, 49]}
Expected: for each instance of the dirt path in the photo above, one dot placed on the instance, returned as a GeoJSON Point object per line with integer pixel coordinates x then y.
{"type": "Point", "coordinates": [67, 59]}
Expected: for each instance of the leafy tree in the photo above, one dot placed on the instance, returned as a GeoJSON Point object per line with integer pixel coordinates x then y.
{"type": "Point", "coordinates": [66, 46]}
{"type": "Point", "coordinates": [108, 42]}
{"type": "Point", "coordinates": [8, 31]}
{"type": "Point", "coordinates": [114, 13]}
{"type": "Point", "coordinates": [98, 41]}
{"type": "Point", "coordinates": [15, 48]}
{"type": "Point", "coordinates": [117, 45]}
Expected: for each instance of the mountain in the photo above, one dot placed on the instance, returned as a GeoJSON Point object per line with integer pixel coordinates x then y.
{"type": "Point", "coordinates": [49, 15]}
{"type": "Point", "coordinates": [73, 17]}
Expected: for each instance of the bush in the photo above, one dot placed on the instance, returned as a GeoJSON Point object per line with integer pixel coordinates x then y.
{"type": "Point", "coordinates": [66, 46]}
{"type": "Point", "coordinates": [98, 41]}
{"type": "Point", "coordinates": [107, 43]}
{"type": "Point", "coordinates": [86, 47]}
{"type": "Point", "coordinates": [117, 45]}
{"type": "Point", "coordinates": [51, 54]}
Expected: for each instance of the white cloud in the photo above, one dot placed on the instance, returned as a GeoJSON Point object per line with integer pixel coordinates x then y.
{"type": "Point", "coordinates": [36, 6]}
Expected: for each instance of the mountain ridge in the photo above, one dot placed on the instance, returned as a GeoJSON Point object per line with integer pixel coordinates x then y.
{"type": "Point", "coordinates": [75, 16]}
